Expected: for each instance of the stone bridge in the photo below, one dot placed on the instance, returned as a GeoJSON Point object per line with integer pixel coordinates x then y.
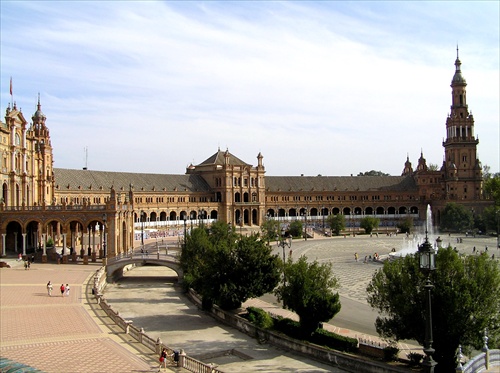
{"type": "Point", "coordinates": [116, 265]}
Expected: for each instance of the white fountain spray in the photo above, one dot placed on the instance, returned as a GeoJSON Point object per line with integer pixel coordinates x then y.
{"type": "Point", "coordinates": [412, 242]}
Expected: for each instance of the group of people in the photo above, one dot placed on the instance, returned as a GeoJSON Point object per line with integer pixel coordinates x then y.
{"type": "Point", "coordinates": [164, 357]}
{"type": "Point", "coordinates": [369, 258]}
{"type": "Point", "coordinates": [64, 289]}
{"type": "Point", "coordinates": [480, 252]}
{"type": "Point", "coordinates": [27, 260]}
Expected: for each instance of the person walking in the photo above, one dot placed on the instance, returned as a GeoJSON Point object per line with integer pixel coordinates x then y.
{"type": "Point", "coordinates": [49, 288]}
{"type": "Point", "coordinates": [163, 359]}
{"type": "Point", "coordinates": [66, 290]}
{"type": "Point", "coordinates": [356, 256]}
{"type": "Point", "coordinates": [62, 290]}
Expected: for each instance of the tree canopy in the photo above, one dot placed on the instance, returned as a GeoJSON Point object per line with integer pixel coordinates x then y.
{"type": "Point", "coordinates": [369, 223]}
{"type": "Point", "coordinates": [491, 188]}
{"type": "Point", "coordinates": [336, 223]}
{"type": "Point", "coordinates": [406, 225]}
{"type": "Point", "coordinates": [456, 217]}
{"type": "Point", "coordinates": [308, 290]}
{"type": "Point", "coordinates": [296, 228]}
{"type": "Point", "coordinates": [373, 173]}
{"type": "Point", "coordinates": [269, 229]}
{"type": "Point", "coordinates": [465, 300]}
{"type": "Point", "coordinates": [228, 269]}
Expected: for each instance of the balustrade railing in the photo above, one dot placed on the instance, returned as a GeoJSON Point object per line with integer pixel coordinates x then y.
{"type": "Point", "coordinates": [140, 336]}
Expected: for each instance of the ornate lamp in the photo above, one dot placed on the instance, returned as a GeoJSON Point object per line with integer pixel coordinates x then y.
{"type": "Point", "coordinates": [427, 261]}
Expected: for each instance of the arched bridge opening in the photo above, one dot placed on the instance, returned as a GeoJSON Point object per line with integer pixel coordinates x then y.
{"type": "Point", "coordinates": [116, 267]}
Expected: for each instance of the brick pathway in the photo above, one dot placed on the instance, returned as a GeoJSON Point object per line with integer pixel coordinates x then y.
{"type": "Point", "coordinates": [62, 334]}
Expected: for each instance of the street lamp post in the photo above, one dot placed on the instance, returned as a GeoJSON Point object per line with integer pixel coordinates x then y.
{"type": "Point", "coordinates": [305, 223]}
{"type": "Point", "coordinates": [284, 242]}
{"type": "Point", "coordinates": [185, 230]}
{"type": "Point", "coordinates": [142, 230]}
{"type": "Point", "coordinates": [498, 229]}
{"type": "Point", "coordinates": [323, 216]}
{"type": "Point", "coordinates": [427, 265]}
{"type": "Point", "coordinates": [104, 220]}
{"type": "Point", "coordinates": [200, 216]}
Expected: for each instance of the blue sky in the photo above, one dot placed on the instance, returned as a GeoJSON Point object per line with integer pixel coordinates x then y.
{"type": "Point", "coordinates": [331, 88]}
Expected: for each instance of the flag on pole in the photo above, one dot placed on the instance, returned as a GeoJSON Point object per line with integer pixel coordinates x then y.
{"type": "Point", "coordinates": [11, 86]}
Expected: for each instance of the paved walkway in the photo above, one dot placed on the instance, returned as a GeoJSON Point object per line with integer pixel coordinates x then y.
{"type": "Point", "coordinates": [71, 334]}
{"type": "Point", "coordinates": [62, 334]}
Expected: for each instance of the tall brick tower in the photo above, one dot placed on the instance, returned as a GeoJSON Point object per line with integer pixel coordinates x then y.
{"type": "Point", "coordinates": [461, 167]}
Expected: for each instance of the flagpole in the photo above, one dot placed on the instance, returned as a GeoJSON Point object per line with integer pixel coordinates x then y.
{"type": "Point", "coordinates": [11, 96]}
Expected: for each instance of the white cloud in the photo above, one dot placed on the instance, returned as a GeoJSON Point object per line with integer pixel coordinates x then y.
{"type": "Point", "coordinates": [318, 87]}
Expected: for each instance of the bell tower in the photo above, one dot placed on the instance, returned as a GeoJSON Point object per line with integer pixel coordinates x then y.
{"type": "Point", "coordinates": [42, 158]}
{"type": "Point", "coordinates": [462, 169]}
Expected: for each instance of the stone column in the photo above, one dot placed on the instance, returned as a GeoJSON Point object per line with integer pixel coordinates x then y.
{"type": "Point", "coordinates": [94, 253]}
{"type": "Point", "coordinates": [24, 243]}
{"type": "Point", "coordinates": [44, 255]}
{"type": "Point", "coordinates": [101, 234]}
{"type": "Point", "coordinates": [4, 250]}
{"type": "Point", "coordinates": [73, 245]}
{"type": "Point", "coordinates": [86, 249]}
{"type": "Point", "coordinates": [64, 250]}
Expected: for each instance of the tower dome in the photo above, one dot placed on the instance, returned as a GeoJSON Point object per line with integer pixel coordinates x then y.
{"type": "Point", "coordinates": [39, 116]}
{"type": "Point", "coordinates": [458, 78]}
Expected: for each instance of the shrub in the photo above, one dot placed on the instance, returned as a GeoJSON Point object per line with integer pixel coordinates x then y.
{"type": "Point", "coordinates": [337, 342]}
{"type": "Point", "coordinates": [289, 327]}
{"type": "Point", "coordinates": [260, 318]}
{"type": "Point", "coordinates": [50, 242]}
{"type": "Point", "coordinates": [391, 353]}
{"type": "Point", "coordinates": [415, 358]}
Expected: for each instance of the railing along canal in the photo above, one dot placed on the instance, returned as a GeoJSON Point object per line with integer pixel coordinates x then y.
{"type": "Point", "coordinates": [156, 346]}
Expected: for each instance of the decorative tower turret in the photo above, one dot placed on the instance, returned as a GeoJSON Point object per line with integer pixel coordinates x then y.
{"type": "Point", "coordinates": [462, 169]}
{"type": "Point", "coordinates": [408, 170]}
{"type": "Point", "coordinates": [42, 158]}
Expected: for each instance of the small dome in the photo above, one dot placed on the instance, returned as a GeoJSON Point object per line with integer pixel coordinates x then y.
{"type": "Point", "coordinates": [38, 113]}
{"type": "Point", "coordinates": [458, 77]}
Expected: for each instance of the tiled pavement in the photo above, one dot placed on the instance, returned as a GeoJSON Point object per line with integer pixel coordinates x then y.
{"type": "Point", "coordinates": [62, 334]}
{"type": "Point", "coordinates": [71, 334]}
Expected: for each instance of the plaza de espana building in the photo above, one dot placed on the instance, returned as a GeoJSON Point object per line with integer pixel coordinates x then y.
{"type": "Point", "coordinates": [99, 212]}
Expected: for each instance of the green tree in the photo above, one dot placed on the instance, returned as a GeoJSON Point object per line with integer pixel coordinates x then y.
{"type": "Point", "coordinates": [373, 173]}
{"type": "Point", "coordinates": [296, 228]}
{"type": "Point", "coordinates": [369, 223]}
{"type": "Point", "coordinates": [432, 167]}
{"type": "Point", "coordinates": [491, 188]}
{"type": "Point", "coordinates": [464, 301]}
{"type": "Point", "coordinates": [269, 229]}
{"type": "Point", "coordinates": [227, 269]}
{"type": "Point", "coordinates": [456, 217]}
{"type": "Point", "coordinates": [308, 291]}
{"type": "Point", "coordinates": [336, 223]}
{"type": "Point", "coordinates": [491, 219]}
{"type": "Point", "coordinates": [406, 225]}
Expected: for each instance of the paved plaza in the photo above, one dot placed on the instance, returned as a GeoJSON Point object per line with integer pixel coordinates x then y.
{"type": "Point", "coordinates": [61, 334]}
{"type": "Point", "coordinates": [71, 334]}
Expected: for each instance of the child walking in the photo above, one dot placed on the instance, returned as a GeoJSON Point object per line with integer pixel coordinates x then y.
{"type": "Point", "coordinates": [163, 359]}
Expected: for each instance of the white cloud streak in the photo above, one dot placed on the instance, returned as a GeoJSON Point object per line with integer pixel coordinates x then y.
{"type": "Point", "coordinates": [328, 88]}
